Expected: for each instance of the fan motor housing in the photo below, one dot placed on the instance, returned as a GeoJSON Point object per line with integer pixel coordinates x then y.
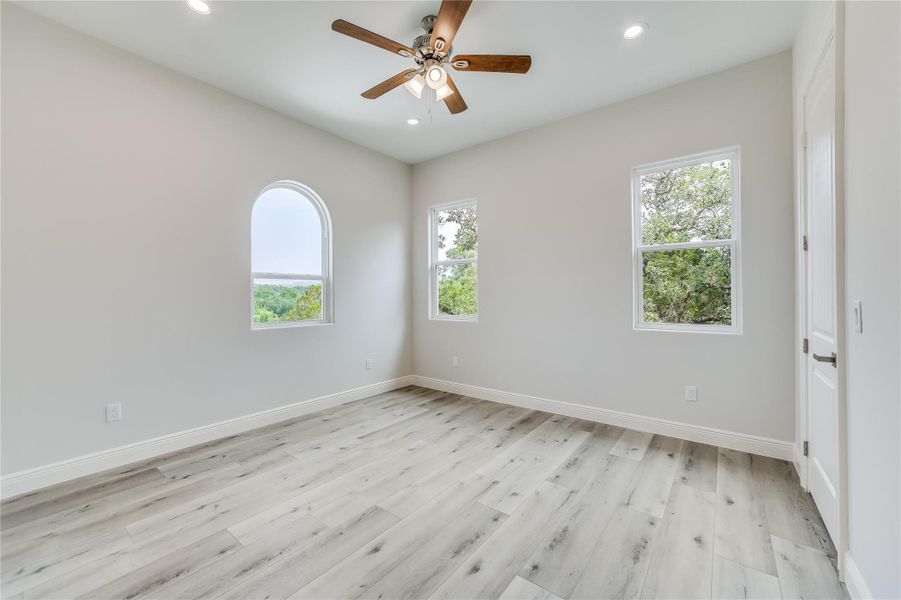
{"type": "Point", "coordinates": [422, 49]}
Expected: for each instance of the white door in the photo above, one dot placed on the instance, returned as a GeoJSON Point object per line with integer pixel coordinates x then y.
{"type": "Point", "coordinates": [823, 416]}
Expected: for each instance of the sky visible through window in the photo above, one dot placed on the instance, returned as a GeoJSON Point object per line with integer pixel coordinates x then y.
{"type": "Point", "coordinates": [286, 234]}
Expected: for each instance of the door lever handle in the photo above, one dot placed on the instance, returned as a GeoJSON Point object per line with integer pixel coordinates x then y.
{"type": "Point", "coordinates": [825, 359]}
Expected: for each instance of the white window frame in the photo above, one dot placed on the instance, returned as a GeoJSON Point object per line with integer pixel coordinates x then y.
{"type": "Point", "coordinates": [732, 154]}
{"type": "Point", "coordinates": [434, 263]}
{"type": "Point", "coordinates": [325, 221]}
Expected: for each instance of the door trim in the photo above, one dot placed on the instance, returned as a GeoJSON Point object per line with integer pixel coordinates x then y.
{"type": "Point", "coordinates": [835, 41]}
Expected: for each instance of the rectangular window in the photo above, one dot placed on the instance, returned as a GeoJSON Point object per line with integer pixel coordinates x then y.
{"type": "Point", "coordinates": [278, 299]}
{"type": "Point", "coordinates": [686, 243]}
{"type": "Point", "coordinates": [454, 262]}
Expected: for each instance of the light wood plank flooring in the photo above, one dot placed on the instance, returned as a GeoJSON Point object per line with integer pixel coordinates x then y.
{"type": "Point", "coordinates": [421, 494]}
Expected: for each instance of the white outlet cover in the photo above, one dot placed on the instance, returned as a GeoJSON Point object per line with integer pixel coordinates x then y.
{"type": "Point", "coordinates": [455, 361]}
{"type": "Point", "coordinates": [113, 412]}
{"type": "Point", "coordinates": [691, 393]}
{"type": "Point", "coordinates": [368, 364]}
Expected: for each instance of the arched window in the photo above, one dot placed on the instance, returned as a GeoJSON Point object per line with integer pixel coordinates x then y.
{"type": "Point", "coordinates": [291, 257]}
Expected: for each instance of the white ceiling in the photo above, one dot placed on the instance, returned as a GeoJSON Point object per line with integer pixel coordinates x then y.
{"type": "Point", "coordinates": [284, 55]}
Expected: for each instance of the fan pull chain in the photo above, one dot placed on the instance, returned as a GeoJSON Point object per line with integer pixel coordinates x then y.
{"type": "Point", "coordinates": [432, 97]}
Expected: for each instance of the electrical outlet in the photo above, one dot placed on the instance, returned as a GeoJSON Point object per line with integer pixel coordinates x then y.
{"type": "Point", "coordinates": [691, 393]}
{"type": "Point", "coordinates": [858, 316]}
{"type": "Point", "coordinates": [113, 412]}
{"type": "Point", "coordinates": [368, 364]}
{"type": "Point", "coordinates": [455, 361]}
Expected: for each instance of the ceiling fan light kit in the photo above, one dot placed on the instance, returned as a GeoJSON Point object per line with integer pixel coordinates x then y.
{"type": "Point", "coordinates": [432, 53]}
{"type": "Point", "coordinates": [436, 77]}
{"type": "Point", "coordinates": [443, 92]}
{"type": "Point", "coordinates": [416, 85]}
{"type": "Point", "coordinates": [199, 6]}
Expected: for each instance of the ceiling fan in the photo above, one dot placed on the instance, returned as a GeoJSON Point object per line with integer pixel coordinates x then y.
{"type": "Point", "coordinates": [432, 53]}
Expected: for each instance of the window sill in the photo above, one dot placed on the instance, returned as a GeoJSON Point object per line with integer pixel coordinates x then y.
{"type": "Point", "coordinates": [664, 327]}
{"type": "Point", "coordinates": [455, 319]}
{"type": "Point", "coordinates": [269, 327]}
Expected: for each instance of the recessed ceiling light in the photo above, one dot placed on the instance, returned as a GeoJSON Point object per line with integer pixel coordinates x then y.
{"type": "Point", "coordinates": [633, 31]}
{"type": "Point", "coordinates": [199, 6]}
{"type": "Point", "coordinates": [412, 121]}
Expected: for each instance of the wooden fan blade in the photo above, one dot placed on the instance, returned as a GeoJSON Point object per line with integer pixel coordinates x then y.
{"type": "Point", "coordinates": [450, 15]}
{"type": "Point", "coordinates": [388, 85]}
{"type": "Point", "coordinates": [454, 102]}
{"type": "Point", "coordinates": [495, 63]}
{"type": "Point", "coordinates": [364, 35]}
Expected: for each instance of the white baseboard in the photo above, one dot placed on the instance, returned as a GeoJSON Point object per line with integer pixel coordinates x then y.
{"type": "Point", "coordinates": [854, 581]}
{"type": "Point", "coordinates": [29, 480]}
{"type": "Point", "coordinates": [695, 433]}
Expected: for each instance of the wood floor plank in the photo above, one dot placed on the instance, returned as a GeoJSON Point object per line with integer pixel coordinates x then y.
{"type": "Point", "coordinates": [69, 530]}
{"type": "Point", "coordinates": [523, 589]}
{"type": "Point", "coordinates": [319, 496]}
{"type": "Point", "coordinates": [344, 433]}
{"type": "Point", "coordinates": [299, 568]}
{"type": "Point", "coordinates": [742, 534]}
{"type": "Point", "coordinates": [681, 564]}
{"type": "Point", "coordinates": [790, 511]}
{"type": "Point", "coordinates": [564, 549]}
{"type": "Point", "coordinates": [19, 576]}
{"type": "Point", "coordinates": [488, 571]}
{"type": "Point", "coordinates": [226, 508]}
{"type": "Point", "coordinates": [805, 572]}
{"type": "Point", "coordinates": [406, 501]}
{"type": "Point", "coordinates": [580, 467]}
{"type": "Point", "coordinates": [158, 575]}
{"type": "Point", "coordinates": [195, 466]}
{"type": "Point", "coordinates": [420, 573]}
{"type": "Point", "coordinates": [549, 433]}
{"type": "Point", "coordinates": [57, 504]}
{"type": "Point", "coordinates": [87, 483]}
{"type": "Point", "coordinates": [438, 415]}
{"type": "Point", "coordinates": [632, 444]}
{"type": "Point", "coordinates": [244, 563]}
{"type": "Point", "coordinates": [408, 469]}
{"type": "Point", "coordinates": [87, 576]}
{"type": "Point", "coordinates": [102, 515]}
{"type": "Point", "coordinates": [650, 487]}
{"type": "Point", "coordinates": [512, 432]}
{"type": "Point", "coordinates": [697, 466]}
{"type": "Point", "coordinates": [617, 566]}
{"type": "Point", "coordinates": [502, 419]}
{"type": "Point", "coordinates": [534, 466]}
{"type": "Point", "coordinates": [732, 580]}
{"type": "Point", "coordinates": [362, 569]}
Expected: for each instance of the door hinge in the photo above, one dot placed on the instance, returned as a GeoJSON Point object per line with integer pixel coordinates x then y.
{"type": "Point", "coordinates": [806, 449]}
{"type": "Point", "coordinates": [805, 346]}
{"type": "Point", "coordinates": [804, 139]}
{"type": "Point", "coordinates": [804, 244]}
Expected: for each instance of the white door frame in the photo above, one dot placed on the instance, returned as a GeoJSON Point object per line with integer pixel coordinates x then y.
{"type": "Point", "coordinates": [836, 39]}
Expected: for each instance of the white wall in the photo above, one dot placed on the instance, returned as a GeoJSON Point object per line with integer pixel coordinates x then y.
{"type": "Point", "coordinates": [554, 220]}
{"type": "Point", "coordinates": [127, 192]}
{"type": "Point", "coordinates": [873, 263]}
